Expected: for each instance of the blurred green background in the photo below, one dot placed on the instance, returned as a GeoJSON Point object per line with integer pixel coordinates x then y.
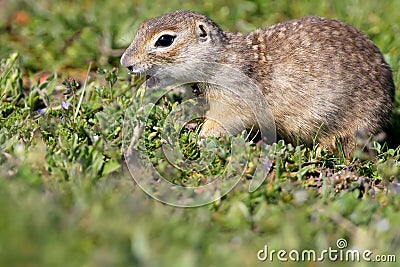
{"type": "Point", "coordinates": [98, 217]}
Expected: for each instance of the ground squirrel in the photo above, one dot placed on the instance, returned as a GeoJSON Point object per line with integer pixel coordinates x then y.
{"type": "Point", "coordinates": [321, 78]}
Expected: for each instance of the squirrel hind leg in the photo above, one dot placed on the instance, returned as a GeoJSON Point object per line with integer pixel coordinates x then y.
{"type": "Point", "coordinates": [340, 145]}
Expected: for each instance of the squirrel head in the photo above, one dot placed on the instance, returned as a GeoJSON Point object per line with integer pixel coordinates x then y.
{"type": "Point", "coordinates": [180, 37]}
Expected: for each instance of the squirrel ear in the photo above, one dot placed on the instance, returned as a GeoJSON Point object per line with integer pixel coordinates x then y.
{"type": "Point", "coordinates": [202, 32]}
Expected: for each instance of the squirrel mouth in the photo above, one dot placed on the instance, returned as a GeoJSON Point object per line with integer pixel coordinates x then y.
{"type": "Point", "coordinates": [145, 78]}
{"type": "Point", "coordinates": [150, 81]}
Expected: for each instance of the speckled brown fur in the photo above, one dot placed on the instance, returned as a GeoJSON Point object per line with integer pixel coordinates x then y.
{"type": "Point", "coordinates": [321, 77]}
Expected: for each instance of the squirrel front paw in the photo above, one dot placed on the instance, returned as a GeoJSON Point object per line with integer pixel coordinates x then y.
{"type": "Point", "coordinates": [212, 128]}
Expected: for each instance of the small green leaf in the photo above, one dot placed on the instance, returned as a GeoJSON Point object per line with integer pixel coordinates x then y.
{"type": "Point", "coordinates": [111, 166]}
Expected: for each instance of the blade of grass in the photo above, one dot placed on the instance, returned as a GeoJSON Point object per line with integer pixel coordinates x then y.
{"type": "Point", "coordinates": [83, 92]}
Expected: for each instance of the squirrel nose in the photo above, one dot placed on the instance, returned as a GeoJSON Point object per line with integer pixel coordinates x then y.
{"type": "Point", "coordinates": [131, 66]}
{"type": "Point", "coordinates": [127, 63]}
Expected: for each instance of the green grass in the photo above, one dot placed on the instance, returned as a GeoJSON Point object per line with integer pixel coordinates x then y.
{"type": "Point", "coordinates": [67, 198]}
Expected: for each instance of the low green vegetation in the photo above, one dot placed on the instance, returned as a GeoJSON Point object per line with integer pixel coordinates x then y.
{"type": "Point", "coordinates": [67, 109]}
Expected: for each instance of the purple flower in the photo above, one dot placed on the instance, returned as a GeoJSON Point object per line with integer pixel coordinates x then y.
{"type": "Point", "coordinates": [65, 105]}
{"type": "Point", "coordinates": [267, 164]}
{"type": "Point", "coordinates": [41, 111]}
{"type": "Point", "coordinates": [396, 186]}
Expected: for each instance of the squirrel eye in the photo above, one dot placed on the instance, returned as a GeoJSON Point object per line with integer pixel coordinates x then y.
{"type": "Point", "coordinates": [165, 40]}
